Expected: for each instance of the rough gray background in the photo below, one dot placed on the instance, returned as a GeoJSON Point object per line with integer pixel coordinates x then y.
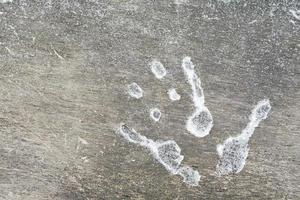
{"type": "Point", "coordinates": [64, 70]}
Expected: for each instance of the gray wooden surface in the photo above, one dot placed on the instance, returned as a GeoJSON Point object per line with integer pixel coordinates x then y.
{"type": "Point", "coordinates": [64, 70]}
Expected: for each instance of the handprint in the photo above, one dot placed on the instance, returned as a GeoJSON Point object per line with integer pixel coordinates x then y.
{"type": "Point", "coordinates": [233, 153]}
{"type": "Point", "coordinates": [168, 153]}
{"type": "Point", "coordinates": [173, 95]}
{"type": "Point", "coordinates": [200, 122]}
{"type": "Point", "coordinates": [155, 114]}
{"type": "Point", "coordinates": [134, 90]}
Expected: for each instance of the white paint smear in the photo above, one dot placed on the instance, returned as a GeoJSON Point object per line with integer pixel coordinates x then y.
{"type": "Point", "coordinates": [167, 153]}
{"type": "Point", "coordinates": [295, 13]}
{"type": "Point", "coordinates": [234, 151]}
{"type": "Point", "coordinates": [173, 95]}
{"type": "Point", "coordinates": [135, 90]}
{"type": "Point", "coordinates": [155, 114]}
{"type": "Point", "coordinates": [158, 69]}
{"type": "Point", "coordinates": [200, 122]}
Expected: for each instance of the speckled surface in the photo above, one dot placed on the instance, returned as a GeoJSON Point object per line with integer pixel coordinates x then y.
{"type": "Point", "coordinates": [65, 66]}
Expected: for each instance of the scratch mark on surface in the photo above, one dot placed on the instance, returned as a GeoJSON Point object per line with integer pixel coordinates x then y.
{"type": "Point", "coordinates": [15, 32]}
{"type": "Point", "coordinates": [82, 141]}
{"type": "Point", "coordinates": [179, 2]}
{"type": "Point", "coordinates": [59, 56]}
{"type": "Point", "coordinates": [295, 13]}
{"type": "Point", "coordinates": [252, 22]}
{"type": "Point", "coordinates": [65, 139]}
{"type": "Point", "coordinates": [6, 1]}
{"type": "Point", "coordinates": [9, 51]}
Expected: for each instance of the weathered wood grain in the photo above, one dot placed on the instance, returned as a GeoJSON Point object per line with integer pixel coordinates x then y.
{"type": "Point", "coordinates": [65, 67]}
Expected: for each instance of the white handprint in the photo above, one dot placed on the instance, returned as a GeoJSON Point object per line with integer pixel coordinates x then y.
{"type": "Point", "coordinates": [233, 153]}
{"type": "Point", "coordinates": [155, 114]}
{"type": "Point", "coordinates": [135, 90]}
{"type": "Point", "coordinates": [173, 95]}
{"type": "Point", "coordinates": [158, 69]}
{"type": "Point", "coordinates": [200, 122]}
{"type": "Point", "coordinates": [168, 153]}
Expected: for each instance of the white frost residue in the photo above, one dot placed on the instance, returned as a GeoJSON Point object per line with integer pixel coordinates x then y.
{"type": "Point", "coordinates": [295, 13]}
{"type": "Point", "coordinates": [135, 90]}
{"type": "Point", "coordinates": [155, 114]}
{"type": "Point", "coordinates": [200, 122]}
{"type": "Point", "coordinates": [173, 95]}
{"type": "Point", "coordinates": [6, 1]}
{"type": "Point", "coordinates": [158, 69]}
{"type": "Point", "coordinates": [168, 153]}
{"type": "Point", "coordinates": [234, 151]}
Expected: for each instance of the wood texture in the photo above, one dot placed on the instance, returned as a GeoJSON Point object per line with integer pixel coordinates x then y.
{"type": "Point", "coordinates": [65, 67]}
